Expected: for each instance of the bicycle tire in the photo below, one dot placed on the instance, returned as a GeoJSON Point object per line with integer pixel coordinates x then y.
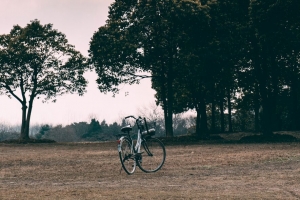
{"type": "Point", "coordinates": [127, 156]}
{"type": "Point", "coordinates": [153, 155]}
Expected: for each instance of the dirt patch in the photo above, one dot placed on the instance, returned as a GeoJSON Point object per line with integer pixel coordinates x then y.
{"type": "Point", "coordinates": [198, 171]}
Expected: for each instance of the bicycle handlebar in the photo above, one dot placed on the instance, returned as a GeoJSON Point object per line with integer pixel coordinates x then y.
{"type": "Point", "coordinates": [139, 121]}
{"type": "Point", "coordinates": [130, 116]}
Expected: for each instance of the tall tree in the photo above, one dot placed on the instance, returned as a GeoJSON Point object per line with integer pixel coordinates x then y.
{"type": "Point", "coordinates": [289, 97]}
{"type": "Point", "coordinates": [142, 36]}
{"type": "Point", "coordinates": [38, 62]}
{"type": "Point", "coordinates": [191, 76]}
{"type": "Point", "coordinates": [274, 27]}
{"type": "Point", "coordinates": [181, 24]}
{"type": "Point", "coordinates": [209, 56]}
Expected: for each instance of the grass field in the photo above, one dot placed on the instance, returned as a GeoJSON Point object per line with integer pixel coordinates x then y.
{"type": "Point", "coordinates": [198, 171]}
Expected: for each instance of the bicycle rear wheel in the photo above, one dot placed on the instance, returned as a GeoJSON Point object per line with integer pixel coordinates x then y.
{"type": "Point", "coordinates": [153, 155]}
{"type": "Point", "coordinates": [127, 156]}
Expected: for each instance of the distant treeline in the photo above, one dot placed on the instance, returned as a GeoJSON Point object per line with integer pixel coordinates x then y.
{"type": "Point", "coordinates": [91, 131]}
{"type": "Point", "coordinates": [96, 130]}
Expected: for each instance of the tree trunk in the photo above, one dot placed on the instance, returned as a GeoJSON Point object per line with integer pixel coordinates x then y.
{"type": "Point", "coordinates": [262, 75]}
{"type": "Point", "coordinates": [275, 116]}
{"type": "Point", "coordinates": [198, 121]}
{"type": "Point", "coordinates": [170, 97]}
{"type": "Point", "coordinates": [213, 117]}
{"type": "Point", "coordinates": [267, 115]}
{"type": "Point", "coordinates": [295, 106]}
{"type": "Point", "coordinates": [230, 129]}
{"type": "Point", "coordinates": [203, 123]}
{"type": "Point", "coordinates": [168, 108]}
{"type": "Point", "coordinates": [30, 106]}
{"type": "Point", "coordinates": [169, 126]}
{"type": "Point", "coordinates": [266, 106]}
{"type": "Point", "coordinates": [269, 93]}
{"type": "Point", "coordinates": [165, 108]}
{"type": "Point", "coordinates": [24, 133]}
{"type": "Point", "coordinates": [26, 117]}
{"type": "Point", "coordinates": [222, 114]}
{"type": "Point", "coordinates": [256, 109]}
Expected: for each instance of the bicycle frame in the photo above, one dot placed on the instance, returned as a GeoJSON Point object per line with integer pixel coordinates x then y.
{"type": "Point", "coordinates": [138, 142]}
{"type": "Point", "coordinates": [137, 147]}
{"type": "Point", "coordinates": [140, 154]}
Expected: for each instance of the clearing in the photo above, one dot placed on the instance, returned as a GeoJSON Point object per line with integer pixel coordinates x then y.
{"type": "Point", "coordinates": [197, 171]}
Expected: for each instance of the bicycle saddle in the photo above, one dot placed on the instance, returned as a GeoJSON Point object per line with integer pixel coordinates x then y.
{"type": "Point", "coordinates": [126, 128]}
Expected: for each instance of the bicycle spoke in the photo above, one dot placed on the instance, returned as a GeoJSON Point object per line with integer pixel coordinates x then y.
{"type": "Point", "coordinates": [126, 156]}
{"type": "Point", "coordinates": [153, 156]}
{"type": "Point", "coordinates": [150, 153]}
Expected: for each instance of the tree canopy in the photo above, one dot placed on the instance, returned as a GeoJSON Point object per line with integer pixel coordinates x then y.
{"type": "Point", "coordinates": [209, 55]}
{"type": "Point", "coordinates": [36, 61]}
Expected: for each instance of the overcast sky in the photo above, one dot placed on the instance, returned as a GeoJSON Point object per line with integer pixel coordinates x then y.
{"type": "Point", "coordinates": [78, 19]}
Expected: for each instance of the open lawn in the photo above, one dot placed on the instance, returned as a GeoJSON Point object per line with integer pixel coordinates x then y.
{"type": "Point", "coordinates": [198, 171]}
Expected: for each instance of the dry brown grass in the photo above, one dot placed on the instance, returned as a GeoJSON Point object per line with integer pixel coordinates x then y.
{"type": "Point", "coordinates": [199, 171]}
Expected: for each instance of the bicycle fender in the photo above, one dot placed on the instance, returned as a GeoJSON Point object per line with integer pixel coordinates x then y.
{"type": "Point", "coordinates": [119, 143]}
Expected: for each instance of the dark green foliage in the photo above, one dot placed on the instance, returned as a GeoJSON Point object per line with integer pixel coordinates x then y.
{"type": "Point", "coordinates": [94, 129]}
{"type": "Point", "coordinates": [42, 131]}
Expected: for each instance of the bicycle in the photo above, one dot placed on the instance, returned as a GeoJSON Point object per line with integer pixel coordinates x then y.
{"type": "Point", "coordinates": [148, 153]}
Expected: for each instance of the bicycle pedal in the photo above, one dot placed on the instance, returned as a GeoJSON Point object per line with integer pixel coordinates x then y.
{"type": "Point", "coordinates": [138, 155]}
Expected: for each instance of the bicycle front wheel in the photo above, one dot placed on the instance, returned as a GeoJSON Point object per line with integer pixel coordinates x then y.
{"type": "Point", "coordinates": [127, 156]}
{"type": "Point", "coordinates": [153, 155]}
